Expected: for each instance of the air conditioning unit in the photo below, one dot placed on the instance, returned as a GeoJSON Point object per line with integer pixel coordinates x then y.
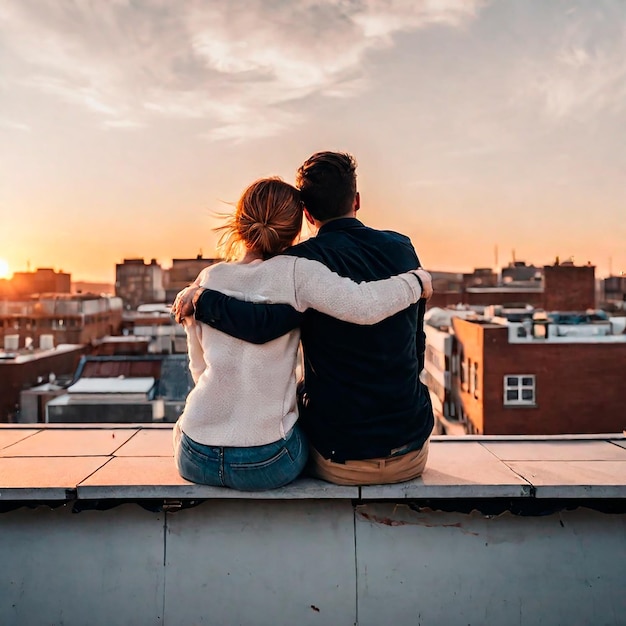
{"type": "Point", "coordinates": [46, 342]}
{"type": "Point", "coordinates": [11, 342]}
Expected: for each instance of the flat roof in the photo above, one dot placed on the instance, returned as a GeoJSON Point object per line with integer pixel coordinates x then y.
{"type": "Point", "coordinates": [112, 385]}
{"type": "Point", "coordinates": [25, 357]}
{"type": "Point", "coordinates": [517, 290]}
{"type": "Point", "coordinates": [135, 461]}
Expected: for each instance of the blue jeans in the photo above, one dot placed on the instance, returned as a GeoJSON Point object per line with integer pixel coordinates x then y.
{"type": "Point", "coordinates": [256, 468]}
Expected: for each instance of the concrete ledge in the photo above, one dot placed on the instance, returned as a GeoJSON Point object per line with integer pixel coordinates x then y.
{"type": "Point", "coordinates": [306, 562]}
{"type": "Point", "coordinates": [156, 477]}
{"type": "Point", "coordinates": [134, 461]}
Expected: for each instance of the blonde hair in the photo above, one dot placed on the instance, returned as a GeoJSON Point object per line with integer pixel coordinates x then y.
{"type": "Point", "coordinates": [267, 219]}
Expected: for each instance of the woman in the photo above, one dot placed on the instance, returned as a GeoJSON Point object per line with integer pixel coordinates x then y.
{"type": "Point", "coordinates": [238, 428]}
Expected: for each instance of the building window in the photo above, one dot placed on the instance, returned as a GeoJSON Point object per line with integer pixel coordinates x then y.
{"type": "Point", "coordinates": [465, 374]}
{"type": "Point", "coordinates": [474, 379]}
{"type": "Point", "coordinates": [519, 390]}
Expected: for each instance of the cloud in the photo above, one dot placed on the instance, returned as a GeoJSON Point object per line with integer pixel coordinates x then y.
{"type": "Point", "coordinates": [123, 124]}
{"type": "Point", "coordinates": [211, 61]}
{"type": "Point", "coordinates": [253, 124]}
{"type": "Point", "coordinates": [586, 73]}
{"type": "Point", "coordinates": [438, 182]}
{"type": "Point", "coordinates": [11, 125]}
{"type": "Point", "coordinates": [84, 95]}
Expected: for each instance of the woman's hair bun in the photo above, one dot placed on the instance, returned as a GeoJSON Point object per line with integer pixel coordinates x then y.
{"type": "Point", "coordinates": [268, 218]}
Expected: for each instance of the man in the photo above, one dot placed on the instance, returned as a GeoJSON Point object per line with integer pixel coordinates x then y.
{"type": "Point", "coordinates": [366, 413]}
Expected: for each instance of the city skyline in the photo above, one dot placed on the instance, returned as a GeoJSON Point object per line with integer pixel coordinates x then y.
{"type": "Point", "coordinates": [483, 130]}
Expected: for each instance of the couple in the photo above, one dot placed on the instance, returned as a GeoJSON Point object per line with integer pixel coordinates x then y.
{"type": "Point", "coordinates": [354, 296]}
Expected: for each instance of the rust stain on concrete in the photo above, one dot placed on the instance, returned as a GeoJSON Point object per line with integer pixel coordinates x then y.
{"type": "Point", "coordinates": [388, 521]}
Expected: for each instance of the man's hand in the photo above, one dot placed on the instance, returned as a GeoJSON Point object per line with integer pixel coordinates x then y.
{"type": "Point", "coordinates": [184, 303]}
{"type": "Point", "coordinates": [427, 283]}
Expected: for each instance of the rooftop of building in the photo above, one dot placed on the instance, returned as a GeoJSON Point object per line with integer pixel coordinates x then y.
{"type": "Point", "coordinates": [156, 314]}
{"type": "Point", "coordinates": [106, 385]}
{"type": "Point", "coordinates": [98, 528]}
{"type": "Point", "coordinates": [527, 323]}
{"type": "Point", "coordinates": [56, 295]}
{"type": "Point", "coordinates": [25, 355]}
{"type": "Point", "coordinates": [513, 288]}
{"type": "Point", "coordinates": [121, 339]}
{"type": "Point", "coordinates": [134, 461]}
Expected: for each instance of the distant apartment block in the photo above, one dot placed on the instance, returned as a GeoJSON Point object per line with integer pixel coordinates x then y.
{"type": "Point", "coordinates": [138, 388]}
{"type": "Point", "coordinates": [447, 282]}
{"type": "Point", "coordinates": [154, 324]}
{"type": "Point", "coordinates": [551, 374]}
{"type": "Point", "coordinates": [137, 282]}
{"type": "Point", "coordinates": [41, 281]}
{"type": "Point", "coordinates": [614, 288]}
{"type": "Point", "coordinates": [562, 286]}
{"type": "Point", "coordinates": [437, 372]}
{"type": "Point", "coordinates": [480, 277]}
{"type": "Point", "coordinates": [568, 287]}
{"type": "Point", "coordinates": [519, 271]}
{"type": "Point", "coordinates": [182, 273]}
{"type": "Point", "coordinates": [58, 319]}
{"type": "Point", "coordinates": [23, 369]}
{"type": "Point", "coordinates": [83, 286]}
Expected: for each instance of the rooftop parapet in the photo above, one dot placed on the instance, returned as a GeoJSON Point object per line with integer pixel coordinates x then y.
{"type": "Point", "coordinates": [67, 462]}
{"type": "Point", "coordinates": [498, 530]}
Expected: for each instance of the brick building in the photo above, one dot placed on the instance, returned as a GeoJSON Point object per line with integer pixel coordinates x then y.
{"type": "Point", "coordinates": [539, 376]}
{"type": "Point", "coordinates": [519, 271]}
{"type": "Point", "coordinates": [182, 273]}
{"type": "Point", "coordinates": [129, 388]}
{"type": "Point", "coordinates": [559, 287]}
{"type": "Point", "coordinates": [437, 372]}
{"type": "Point", "coordinates": [139, 283]}
{"type": "Point", "coordinates": [61, 318]}
{"type": "Point", "coordinates": [614, 290]}
{"type": "Point", "coordinates": [42, 280]}
{"type": "Point", "coordinates": [568, 287]}
{"type": "Point", "coordinates": [480, 277]}
{"type": "Point", "coordinates": [155, 324]}
{"type": "Point", "coordinates": [22, 369]}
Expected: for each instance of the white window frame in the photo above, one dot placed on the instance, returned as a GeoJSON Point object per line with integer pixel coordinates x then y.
{"type": "Point", "coordinates": [474, 379]}
{"type": "Point", "coordinates": [464, 374]}
{"type": "Point", "coordinates": [519, 387]}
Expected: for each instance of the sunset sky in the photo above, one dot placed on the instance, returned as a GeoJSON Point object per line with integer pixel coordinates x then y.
{"type": "Point", "coordinates": [126, 125]}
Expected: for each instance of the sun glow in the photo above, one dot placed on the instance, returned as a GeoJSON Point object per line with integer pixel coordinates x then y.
{"type": "Point", "coordinates": [4, 269]}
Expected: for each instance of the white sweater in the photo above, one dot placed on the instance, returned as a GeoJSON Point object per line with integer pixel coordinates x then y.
{"type": "Point", "coordinates": [245, 394]}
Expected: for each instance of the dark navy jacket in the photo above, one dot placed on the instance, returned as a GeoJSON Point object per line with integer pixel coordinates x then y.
{"type": "Point", "coordinates": [363, 397]}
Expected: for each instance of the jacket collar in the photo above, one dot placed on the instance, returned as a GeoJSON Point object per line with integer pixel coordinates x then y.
{"type": "Point", "coordinates": [343, 223]}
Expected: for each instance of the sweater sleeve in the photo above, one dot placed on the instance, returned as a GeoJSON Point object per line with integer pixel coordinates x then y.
{"type": "Point", "coordinates": [317, 287]}
{"type": "Point", "coordinates": [197, 364]}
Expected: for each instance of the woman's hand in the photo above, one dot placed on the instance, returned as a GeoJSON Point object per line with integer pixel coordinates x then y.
{"type": "Point", "coordinates": [426, 282]}
{"type": "Point", "coordinates": [184, 304]}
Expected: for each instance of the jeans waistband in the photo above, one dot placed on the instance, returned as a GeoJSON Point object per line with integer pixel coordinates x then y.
{"type": "Point", "coordinates": [266, 447]}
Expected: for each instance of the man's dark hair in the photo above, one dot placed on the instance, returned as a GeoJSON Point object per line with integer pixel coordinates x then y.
{"type": "Point", "coordinates": [327, 183]}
